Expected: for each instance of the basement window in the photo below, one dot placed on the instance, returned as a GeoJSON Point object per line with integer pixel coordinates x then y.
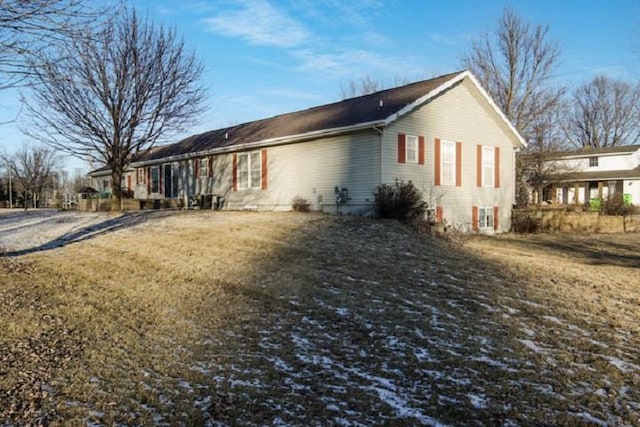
{"type": "Point", "coordinates": [485, 217]}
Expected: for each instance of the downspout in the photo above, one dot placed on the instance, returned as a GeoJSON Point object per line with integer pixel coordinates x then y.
{"type": "Point", "coordinates": [381, 133]}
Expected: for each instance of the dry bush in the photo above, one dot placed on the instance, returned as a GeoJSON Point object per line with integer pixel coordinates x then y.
{"type": "Point", "coordinates": [300, 204]}
{"type": "Point", "coordinates": [524, 222]}
{"type": "Point", "coordinates": [615, 205]}
{"type": "Point", "coordinates": [401, 201]}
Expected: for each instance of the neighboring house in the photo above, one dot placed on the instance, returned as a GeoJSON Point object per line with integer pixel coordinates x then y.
{"type": "Point", "coordinates": [595, 174]}
{"type": "Point", "coordinates": [444, 134]}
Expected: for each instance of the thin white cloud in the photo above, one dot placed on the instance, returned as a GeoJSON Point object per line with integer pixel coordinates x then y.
{"type": "Point", "coordinates": [353, 63]}
{"type": "Point", "coordinates": [291, 94]}
{"type": "Point", "coordinates": [259, 23]}
{"type": "Point", "coordinates": [447, 40]}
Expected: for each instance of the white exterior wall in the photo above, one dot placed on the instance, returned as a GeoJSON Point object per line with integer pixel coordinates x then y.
{"type": "Point", "coordinates": [460, 115]}
{"type": "Point", "coordinates": [606, 162]}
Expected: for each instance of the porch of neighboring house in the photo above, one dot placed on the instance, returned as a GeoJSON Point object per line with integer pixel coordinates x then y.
{"type": "Point", "coordinates": [587, 193]}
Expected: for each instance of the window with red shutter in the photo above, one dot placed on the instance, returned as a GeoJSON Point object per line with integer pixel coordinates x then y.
{"type": "Point", "coordinates": [402, 148]}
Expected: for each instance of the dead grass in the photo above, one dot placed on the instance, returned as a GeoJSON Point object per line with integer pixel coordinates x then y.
{"type": "Point", "coordinates": [304, 319]}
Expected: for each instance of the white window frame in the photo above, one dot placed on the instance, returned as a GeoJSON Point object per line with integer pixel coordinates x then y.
{"type": "Point", "coordinates": [411, 149]}
{"type": "Point", "coordinates": [593, 162]}
{"type": "Point", "coordinates": [204, 167]}
{"type": "Point", "coordinates": [253, 172]}
{"type": "Point", "coordinates": [444, 163]}
{"type": "Point", "coordinates": [485, 218]}
{"type": "Point", "coordinates": [488, 165]}
{"type": "Point", "coordinates": [142, 178]}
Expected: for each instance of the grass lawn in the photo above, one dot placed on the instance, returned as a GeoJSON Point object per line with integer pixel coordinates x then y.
{"type": "Point", "coordinates": [215, 318]}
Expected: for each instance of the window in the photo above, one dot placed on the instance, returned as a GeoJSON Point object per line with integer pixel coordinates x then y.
{"type": "Point", "coordinates": [155, 179]}
{"type": "Point", "coordinates": [249, 170]}
{"type": "Point", "coordinates": [141, 176]}
{"type": "Point", "coordinates": [204, 168]}
{"type": "Point", "coordinates": [488, 166]}
{"type": "Point", "coordinates": [485, 218]}
{"type": "Point", "coordinates": [593, 161]}
{"type": "Point", "coordinates": [448, 163]}
{"type": "Point", "coordinates": [412, 149]}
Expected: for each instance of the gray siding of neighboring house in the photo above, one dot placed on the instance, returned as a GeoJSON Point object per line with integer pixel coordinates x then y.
{"type": "Point", "coordinates": [460, 115]}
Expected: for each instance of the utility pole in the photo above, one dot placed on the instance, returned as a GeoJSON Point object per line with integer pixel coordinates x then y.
{"type": "Point", "coordinates": [10, 197]}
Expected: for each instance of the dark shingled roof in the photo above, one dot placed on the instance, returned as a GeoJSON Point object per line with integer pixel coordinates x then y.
{"type": "Point", "coordinates": [349, 112]}
{"type": "Point", "coordinates": [603, 175]}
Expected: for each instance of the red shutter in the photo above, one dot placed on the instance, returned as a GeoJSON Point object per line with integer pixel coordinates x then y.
{"type": "Point", "coordinates": [474, 219]}
{"type": "Point", "coordinates": [497, 168]}
{"type": "Point", "coordinates": [479, 165]}
{"type": "Point", "coordinates": [129, 181]}
{"type": "Point", "coordinates": [137, 176]}
{"type": "Point", "coordinates": [458, 164]}
{"type": "Point", "coordinates": [235, 171]}
{"type": "Point", "coordinates": [148, 180]}
{"type": "Point", "coordinates": [421, 150]}
{"type": "Point", "coordinates": [495, 217]}
{"type": "Point", "coordinates": [436, 151]}
{"type": "Point", "coordinates": [210, 166]}
{"type": "Point", "coordinates": [264, 169]}
{"type": "Point", "coordinates": [402, 148]}
{"type": "Point", "coordinates": [197, 167]}
{"type": "Point", "coordinates": [439, 214]}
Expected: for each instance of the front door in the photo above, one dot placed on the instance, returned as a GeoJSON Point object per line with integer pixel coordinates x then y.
{"type": "Point", "coordinates": [168, 181]}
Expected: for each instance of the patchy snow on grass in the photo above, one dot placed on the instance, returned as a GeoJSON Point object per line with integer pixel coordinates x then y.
{"type": "Point", "coordinates": [531, 345]}
{"type": "Point", "coordinates": [478, 401]}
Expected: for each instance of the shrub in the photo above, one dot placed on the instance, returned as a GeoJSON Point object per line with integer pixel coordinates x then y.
{"type": "Point", "coordinates": [616, 205]}
{"type": "Point", "coordinates": [300, 204]}
{"type": "Point", "coordinates": [524, 222]}
{"type": "Point", "coordinates": [402, 201]}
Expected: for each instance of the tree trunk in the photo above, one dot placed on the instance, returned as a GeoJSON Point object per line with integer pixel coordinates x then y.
{"type": "Point", "coordinates": [116, 187]}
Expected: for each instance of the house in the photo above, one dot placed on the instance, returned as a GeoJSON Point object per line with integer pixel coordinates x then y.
{"type": "Point", "coordinates": [595, 174]}
{"type": "Point", "coordinates": [444, 134]}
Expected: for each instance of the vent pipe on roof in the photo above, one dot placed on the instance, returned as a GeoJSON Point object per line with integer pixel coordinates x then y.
{"type": "Point", "coordinates": [226, 135]}
{"type": "Point", "coordinates": [381, 103]}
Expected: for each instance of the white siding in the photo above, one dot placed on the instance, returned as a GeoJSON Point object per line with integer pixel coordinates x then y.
{"type": "Point", "coordinates": [311, 170]}
{"type": "Point", "coordinates": [460, 115]}
{"type": "Point", "coordinates": [608, 162]}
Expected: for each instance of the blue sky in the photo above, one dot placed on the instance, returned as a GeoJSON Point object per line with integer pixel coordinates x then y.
{"type": "Point", "coordinates": [268, 57]}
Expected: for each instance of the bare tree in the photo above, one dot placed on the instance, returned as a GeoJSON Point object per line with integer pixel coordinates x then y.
{"type": "Point", "coordinates": [515, 64]}
{"type": "Point", "coordinates": [362, 86]}
{"type": "Point", "coordinates": [29, 27]}
{"type": "Point", "coordinates": [604, 113]}
{"type": "Point", "coordinates": [366, 85]}
{"type": "Point", "coordinates": [117, 93]}
{"type": "Point", "coordinates": [31, 169]}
